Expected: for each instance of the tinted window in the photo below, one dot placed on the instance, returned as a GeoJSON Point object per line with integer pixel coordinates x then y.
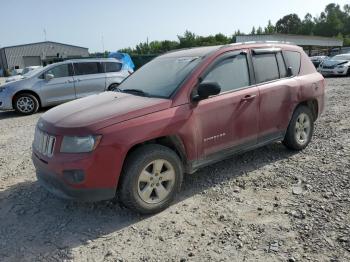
{"type": "Point", "coordinates": [230, 74]}
{"type": "Point", "coordinates": [265, 66]}
{"type": "Point", "coordinates": [281, 65]}
{"type": "Point", "coordinates": [61, 71]}
{"type": "Point", "coordinates": [113, 67]}
{"type": "Point", "coordinates": [87, 68]}
{"type": "Point", "coordinates": [293, 61]}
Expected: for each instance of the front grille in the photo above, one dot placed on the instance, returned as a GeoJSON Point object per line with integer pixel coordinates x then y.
{"type": "Point", "coordinates": [44, 143]}
{"type": "Point", "coordinates": [328, 67]}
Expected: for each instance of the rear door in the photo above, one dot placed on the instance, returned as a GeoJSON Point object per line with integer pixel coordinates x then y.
{"type": "Point", "coordinates": [230, 118]}
{"type": "Point", "coordinates": [89, 78]}
{"type": "Point", "coordinates": [277, 93]}
{"type": "Point", "coordinates": [59, 89]}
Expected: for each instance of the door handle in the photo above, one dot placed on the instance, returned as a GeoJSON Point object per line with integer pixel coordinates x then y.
{"type": "Point", "coordinates": [70, 81]}
{"type": "Point", "coordinates": [248, 98]}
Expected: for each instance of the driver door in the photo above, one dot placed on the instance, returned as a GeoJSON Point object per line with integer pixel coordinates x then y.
{"type": "Point", "coordinates": [61, 87]}
{"type": "Point", "coordinates": [230, 119]}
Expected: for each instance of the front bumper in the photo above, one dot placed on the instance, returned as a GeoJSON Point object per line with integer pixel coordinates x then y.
{"type": "Point", "coordinates": [333, 72]}
{"type": "Point", "coordinates": [5, 101]}
{"type": "Point", "coordinates": [54, 183]}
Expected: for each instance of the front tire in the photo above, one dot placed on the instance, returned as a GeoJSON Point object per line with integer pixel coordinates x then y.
{"type": "Point", "coordinates": [26, 104]}
{"type": "Point", "coordinates": [113, 87]}
{"type": "Point", "coordinates": [300, 129]}
{"type": "Point", "coordinates": [151, 178]}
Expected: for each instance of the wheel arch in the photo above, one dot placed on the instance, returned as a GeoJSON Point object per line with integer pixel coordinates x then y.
{"type": "Point", "coordinates": [173, 142]}
{"type": "Point", "coordinates": [312, 104]}
{"type": "Point", "coordinates": [25, 91]}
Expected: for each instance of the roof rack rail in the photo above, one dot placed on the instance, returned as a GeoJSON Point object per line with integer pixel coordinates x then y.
{"type": "Point", "coordinates": [262, 42]}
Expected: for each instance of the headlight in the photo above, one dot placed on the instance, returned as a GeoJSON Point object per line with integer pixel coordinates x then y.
{"type": "Point", "coordinates": [79, 144]}
{"type": "Point", "coordinates": [341, 66]}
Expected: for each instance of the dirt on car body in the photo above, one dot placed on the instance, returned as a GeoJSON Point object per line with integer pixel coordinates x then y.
{"type": "Point", "coordinates": [269, 204]}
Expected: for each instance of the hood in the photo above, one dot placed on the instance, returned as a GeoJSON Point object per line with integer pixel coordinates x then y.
{"type": "Point", "coordinates": [94, 112]}
{"type": "Point", "coordinates": [334, 62]}
{"type": "Point", "coordinates": [14, 78]}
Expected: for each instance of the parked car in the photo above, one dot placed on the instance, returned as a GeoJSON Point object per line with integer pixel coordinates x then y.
{"type": "Point", "coordinates": [61, 82]}
{"type": "Point", "coordinates": [338, 65]}
{"type": "Point", "coordinates": [317, 60]}
{"type": "Point", "coordinates": [23, 74]}
{"type": "Point", "coordinates": [180, 112]}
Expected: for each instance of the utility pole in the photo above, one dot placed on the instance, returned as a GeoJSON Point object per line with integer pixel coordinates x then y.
{"type": "Point", "coordinates": [103, 45]}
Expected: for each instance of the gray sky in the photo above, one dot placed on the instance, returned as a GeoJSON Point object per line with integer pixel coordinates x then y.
{"type": "Point", "coordinates": [126, 23]}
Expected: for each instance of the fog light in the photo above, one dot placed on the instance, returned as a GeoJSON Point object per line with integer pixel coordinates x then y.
{"type": "Point", "coordinates": [74, 176]}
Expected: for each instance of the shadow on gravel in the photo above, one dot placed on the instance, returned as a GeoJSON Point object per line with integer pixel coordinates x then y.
{"type": "Point", "coordinates": [13, 114]}
{"type": "Point", "coordinates": [33, 223]}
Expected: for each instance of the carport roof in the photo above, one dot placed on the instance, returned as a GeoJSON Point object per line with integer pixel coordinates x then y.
{"type": "Point", "coordinates": [301, 40]}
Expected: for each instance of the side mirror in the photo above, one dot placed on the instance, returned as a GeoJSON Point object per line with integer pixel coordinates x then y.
{"type": "Point", "coordinates": [48, 77]}
{"type": "Point", "coordinates": [207, 89]}
{"type": "Point", "coordinates": [290, 72]}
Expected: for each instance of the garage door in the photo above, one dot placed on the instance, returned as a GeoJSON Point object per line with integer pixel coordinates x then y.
{"type": "Point", "coordinates": [31, 61]}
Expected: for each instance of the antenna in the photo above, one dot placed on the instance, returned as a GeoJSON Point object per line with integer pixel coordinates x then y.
{"type": "Point", "coordinates": [45, 34]}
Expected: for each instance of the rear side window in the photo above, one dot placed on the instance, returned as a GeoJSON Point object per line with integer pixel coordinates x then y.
{"type": "Point", "coordinates": [112, 67]}
{"type": "Point", "coordinates": [231, 73]}
{"type": "Point", "coordinates": [64, 70]}
{"type": "Point", "coordinates": [281, 65]}
{"type": "Point", "coordinates": [87, 68]}
{"type": "Point", "coordinates": [266, 68]}
{"type": "Point", "coordinates": [293, 61]}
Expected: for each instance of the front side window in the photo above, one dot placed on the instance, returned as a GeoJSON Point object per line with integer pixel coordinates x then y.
{"type": "Point", "coordinates": [112, 67]}
{"type": "Point", "coordinates": [87, 68]}
{"type": "Point", "coordinates": [265, 67]}
{"type": "Point", "coordinates": [64, 70]}
{"type": "Point", "coordinates": [293, 60]}
{"type": "Point", "coordinates": [231, 73]}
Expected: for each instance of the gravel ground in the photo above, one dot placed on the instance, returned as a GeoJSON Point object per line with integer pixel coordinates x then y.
{"type": "Point", "coordinates": [267, 205]}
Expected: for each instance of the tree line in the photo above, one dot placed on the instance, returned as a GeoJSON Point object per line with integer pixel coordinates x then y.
{"type": "Point", "coordinates": [334, 21]}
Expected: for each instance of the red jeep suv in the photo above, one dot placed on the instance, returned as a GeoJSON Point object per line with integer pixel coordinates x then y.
{"type": "Point", "coordinates": [178, 113]}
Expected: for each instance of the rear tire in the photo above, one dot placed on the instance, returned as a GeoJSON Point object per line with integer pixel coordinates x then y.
{"type": "Point", "coordinates": [300, 129]}
{"type": "Point", "coordinates": [151, 178]}
{"type": "Point", "coordinates": [26, 104]}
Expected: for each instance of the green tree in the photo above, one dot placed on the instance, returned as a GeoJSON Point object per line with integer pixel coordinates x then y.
{"type": "Point", "coordinates": [270, 28]}
{"type": "Point", "coordinates": [253, 32]}
{"type": "Point", "coordinates": [289, 24]}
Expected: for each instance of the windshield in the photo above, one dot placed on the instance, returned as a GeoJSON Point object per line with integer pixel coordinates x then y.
{"type": "Point", "coordinates": [341, 57]}
{"type": "Point", "coordinates": [32, 72]}
{"type": "Point", "coordinates": [160, 77]}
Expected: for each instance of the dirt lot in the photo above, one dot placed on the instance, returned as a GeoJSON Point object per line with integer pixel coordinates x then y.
{"type": "Point", "coordinates": [267, 205]}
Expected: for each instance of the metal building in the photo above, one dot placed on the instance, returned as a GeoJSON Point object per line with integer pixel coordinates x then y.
{"type": "Point", "coordinates": [309, 43]}
{"type": "Point", "coordinates": [42, 53]}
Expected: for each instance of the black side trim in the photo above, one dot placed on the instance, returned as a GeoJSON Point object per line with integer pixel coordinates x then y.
{"type": "Point", "coordinates": [193, 166]}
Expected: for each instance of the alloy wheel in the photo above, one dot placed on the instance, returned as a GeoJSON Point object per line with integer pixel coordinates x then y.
{"type": "Point", "coordinates": [302, 128]}
{"type": "Point", "coordinates": [25, 104]}
{"type": "Point", "coordinates": [156, 181]}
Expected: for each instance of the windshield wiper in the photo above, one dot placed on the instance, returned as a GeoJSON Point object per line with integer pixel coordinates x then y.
{"type": "Point", "coordinates": [135, 91]}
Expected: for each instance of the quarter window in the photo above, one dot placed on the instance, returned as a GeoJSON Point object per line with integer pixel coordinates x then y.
{"type": "Point", "coordinates": [87, 68]}
{"type": "Point", "coordinates": [112, 67]}
{"type": "Point", "coordinates": [265, 66]}
{"type": "Point", "coordinates": [61, 71]}
{"type": "Point", "coordinates": [293, 61]}
{"type": "Point", "coordinates": [231, 73]}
